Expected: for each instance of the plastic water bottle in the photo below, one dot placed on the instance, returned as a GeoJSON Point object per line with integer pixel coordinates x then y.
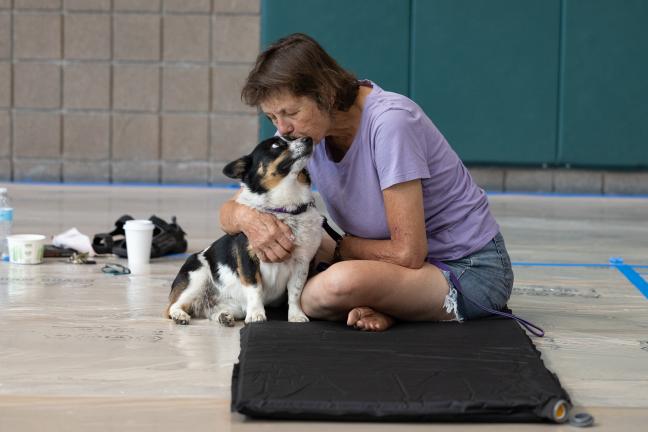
{"type": "Point", "coordinates": [6, 221]}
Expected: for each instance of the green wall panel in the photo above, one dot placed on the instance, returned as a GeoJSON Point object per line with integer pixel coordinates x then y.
{"type": "Point", "coordinates": [367, 37]}
{"type": "Point", "coordinates": [506, 81]}
{"type": "Point", "coordinates": [605, 96]}
{"type": "Point", "coordinates": [486, 72]}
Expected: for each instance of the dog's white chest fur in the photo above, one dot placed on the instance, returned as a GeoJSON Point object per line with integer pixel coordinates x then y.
{"type": "Point", "coordinates": [306, 228]}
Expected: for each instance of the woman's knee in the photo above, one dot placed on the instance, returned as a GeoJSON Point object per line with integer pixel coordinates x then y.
{"type": "Point", "coordinates": [331, 289]}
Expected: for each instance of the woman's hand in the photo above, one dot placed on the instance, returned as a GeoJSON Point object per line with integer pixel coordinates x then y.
{"type": "Point", "coordinates": [270, 239]}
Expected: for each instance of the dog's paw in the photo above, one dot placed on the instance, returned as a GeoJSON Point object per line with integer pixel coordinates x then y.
{"type": "Point", "coordinates": [255, 317]}
{"type": "Point", "coordinates": [225, 318]}
{"type": "Point", "coordinates": [180, 317]}
{"type": "Point", "coordinates": [298, 317]}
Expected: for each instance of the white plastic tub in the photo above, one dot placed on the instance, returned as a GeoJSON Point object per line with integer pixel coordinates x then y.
{"type": "Point", "coordinates": [26, 248]}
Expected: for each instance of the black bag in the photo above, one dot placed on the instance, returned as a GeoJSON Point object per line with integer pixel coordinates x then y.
{"type": "Point", "coordinates": [168, 238]}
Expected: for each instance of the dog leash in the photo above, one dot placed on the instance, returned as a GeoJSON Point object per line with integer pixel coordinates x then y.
{"type": "Point", "coordinates": [330, 231]}
{"type": "Point", "coordinates": [321, 266]}
{"type": "Point", "coordinates": [536, 330]}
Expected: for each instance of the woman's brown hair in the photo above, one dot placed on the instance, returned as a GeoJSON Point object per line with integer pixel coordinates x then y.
{"type": "Point", "coordinates": [298, 64]}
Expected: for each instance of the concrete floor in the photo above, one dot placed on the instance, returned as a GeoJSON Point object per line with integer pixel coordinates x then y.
{"type": "Point", "coordinates": [85, 351]}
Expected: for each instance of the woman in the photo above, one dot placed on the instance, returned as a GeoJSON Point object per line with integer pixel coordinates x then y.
{"type": "Point", "coordinates": [390, 180]}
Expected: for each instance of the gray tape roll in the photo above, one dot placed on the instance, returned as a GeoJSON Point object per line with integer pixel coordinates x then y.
{"type": "Point", "coordinates": [581, 420]}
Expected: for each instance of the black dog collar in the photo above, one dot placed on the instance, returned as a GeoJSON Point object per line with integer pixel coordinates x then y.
{"type": "Point", "coordinates": [299, 210]}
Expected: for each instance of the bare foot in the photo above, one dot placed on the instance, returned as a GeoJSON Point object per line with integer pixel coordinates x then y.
{"type": "Point", "coordinates": [367, 319]}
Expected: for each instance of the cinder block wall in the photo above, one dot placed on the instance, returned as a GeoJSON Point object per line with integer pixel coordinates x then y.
{"type": "Point", "coordinates": [124, 90]}
{"type": "Point", "coordinates": [148, 91]}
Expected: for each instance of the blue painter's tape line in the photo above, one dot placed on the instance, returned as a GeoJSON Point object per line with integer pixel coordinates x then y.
{"type": "Point", "coordinates": [634, 278]}
{"type": "Point", "coordinates": [541, 264]}
{"type": "Point", "coordinates": [132, 185]}
{"type": "Point", "coordinates": [565, 195]}
{"type": "Point", "coordinates": [538, 264]}
{"type": "Point", "coordinates": [234, 185]}
{"type": "Point", "coordinates": [615, 262]}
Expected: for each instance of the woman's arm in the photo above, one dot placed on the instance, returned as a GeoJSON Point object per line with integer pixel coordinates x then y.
{"type": "Point", "coordinates": [270, 239]}
{"type": "Point", "coordinates": [405, 218]}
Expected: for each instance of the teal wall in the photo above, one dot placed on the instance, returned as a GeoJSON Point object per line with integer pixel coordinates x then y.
{"type": "Point", "coordinates": [515, 82]}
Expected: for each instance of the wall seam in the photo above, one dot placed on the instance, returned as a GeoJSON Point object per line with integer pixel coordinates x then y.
{"type": "Point", "coordinates": [410, 50]}
{"type": "Point", "coordinates": [162, 21]}
{"type": "Point", "coordinates": [12, 171]}
{"type": "Point", "coordinates": [111, 102]}
{"type": "Point", "coordinates": [210, 101]}
{"type": "Point", "coordinates": [560, 78]}
{"type": "Point", "coordinates": [61, 109]}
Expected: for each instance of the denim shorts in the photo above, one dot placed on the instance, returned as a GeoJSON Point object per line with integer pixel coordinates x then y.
{"type": "Point", "coordinates": [486, 277]}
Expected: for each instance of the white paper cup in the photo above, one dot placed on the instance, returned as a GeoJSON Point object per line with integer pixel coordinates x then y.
{"type": "Point", "coordinates": [139, 236]}
{"type": "Point", "coordinates": [26, 248]}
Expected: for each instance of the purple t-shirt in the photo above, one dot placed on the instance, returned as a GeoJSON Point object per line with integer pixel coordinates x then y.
{"type": "Point", "coordinates": [395, 143]}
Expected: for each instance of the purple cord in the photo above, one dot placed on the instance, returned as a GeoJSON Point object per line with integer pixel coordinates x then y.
{"type": "Point", "coordinates": [536, 330]}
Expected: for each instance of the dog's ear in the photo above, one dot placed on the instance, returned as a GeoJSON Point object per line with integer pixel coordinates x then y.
{"type": "Point", "coordinates": [237, 169]}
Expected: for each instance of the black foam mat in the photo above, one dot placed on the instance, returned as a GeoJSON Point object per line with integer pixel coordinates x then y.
{"type": "Point", "coordinates": [484, 370]}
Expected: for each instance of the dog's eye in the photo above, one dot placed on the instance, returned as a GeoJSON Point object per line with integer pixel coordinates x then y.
{"type": "Point", "coordinates": [279, 144]}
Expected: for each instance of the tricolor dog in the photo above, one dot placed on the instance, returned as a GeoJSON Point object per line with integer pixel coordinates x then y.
{"type": "Point", "coordinates": [226, 281]}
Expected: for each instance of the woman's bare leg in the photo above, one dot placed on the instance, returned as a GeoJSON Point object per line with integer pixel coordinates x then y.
{"type": "Point", "coordinates": [369, 293]}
